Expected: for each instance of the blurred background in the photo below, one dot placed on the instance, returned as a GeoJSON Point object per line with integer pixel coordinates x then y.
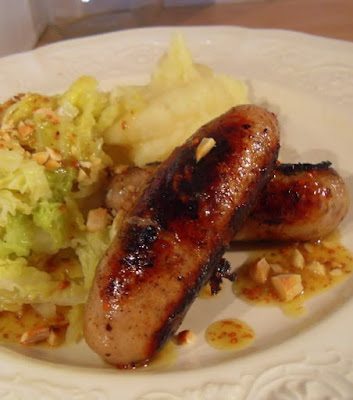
{"type": "Point", "coordinates": [25, 24]}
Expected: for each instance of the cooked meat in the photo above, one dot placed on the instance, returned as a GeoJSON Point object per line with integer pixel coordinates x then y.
{"type": "Point", "coordinates": [175, 235]}
{"type": "Point", "coordinates": [301, 201]}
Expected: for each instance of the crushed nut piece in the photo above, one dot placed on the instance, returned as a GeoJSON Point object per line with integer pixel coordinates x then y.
{"type": "Point", "coordinates": [25, 129]}
{"type": "Point", "coordinates": [46, 310]}
{"type": "Point", "coordinates": [118, 169]}
{"type": "Point", "coordinates": [52, 165]}
{"type": "Point", "coordinates": [6, 137]}
{"type": "Point", "coordinates": [308, 247]}
{"type": "Point", "coordinates": [328, 244]}
{"type": "Point", "coordinates": [277, 268]}
{"type": "Point", "coordinates": [297, 259]}
{"type": "Point", "coordinates": [82, 176]}
{"type": "Point", "coordinates": [74, 151]}
{"type": "Point", "coordinates": [41, 157]}
{"type": "Point", "coordinates": [97, 219]}
{"type": "Point", "coordinates": [287, 286]}
{"type": "Point", "coordinates": [117, 224]}
{"type": "Point", "coordinates": [35, 335]}
{"type": "Point", "coordinates": [49, 114]}
{"type": "Point", "coordinates": [336, 272]}
{"type": "Point", "coordinates": [95, 160]}
{"type": "Point", "coordinates": [259, 271]}
{"type": "Point", "coordinates": [185, 337]}
{"type": "Point", "coordinates": [85, 164]}
{"type": "Point", "coordinates": [53, 339]}
{"type": "Point", "coordinates": [54, 154]}
{"type": "Point", "coordinates": [317, 268]}
{"type": "Point", "coordinates": [205, 146]}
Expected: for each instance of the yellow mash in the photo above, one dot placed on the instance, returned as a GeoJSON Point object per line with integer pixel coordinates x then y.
{"type": "Point", "coordinates": [181, 97]}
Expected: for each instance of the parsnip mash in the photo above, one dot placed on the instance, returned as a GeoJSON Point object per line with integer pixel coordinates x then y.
{"type": "Point", "coordinates": [181, 97]}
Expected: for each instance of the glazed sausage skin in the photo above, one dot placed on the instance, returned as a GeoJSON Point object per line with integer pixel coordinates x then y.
{"type": "Point", "coordinates": [175, 235]}
{"type": "Point", "coordinates": [300, 202]}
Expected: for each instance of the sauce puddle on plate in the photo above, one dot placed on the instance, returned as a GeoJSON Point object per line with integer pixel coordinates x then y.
{"type": "Point", "coordinates": [321, 266]}
{"type": "Point", "coordinates": [229, 334]}
{"type": "Point", "coordinates": [14, 324]}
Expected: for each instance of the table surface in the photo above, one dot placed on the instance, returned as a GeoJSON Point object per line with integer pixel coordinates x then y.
{"type": "Point", "coordinates": [330, 18]}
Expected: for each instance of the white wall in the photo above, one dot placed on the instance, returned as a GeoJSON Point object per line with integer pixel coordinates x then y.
{"type": "Point", "coordinates": [21, 22]}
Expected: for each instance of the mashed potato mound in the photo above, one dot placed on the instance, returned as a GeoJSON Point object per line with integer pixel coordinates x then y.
{"type": "Point", "coordinates": [180, 98]}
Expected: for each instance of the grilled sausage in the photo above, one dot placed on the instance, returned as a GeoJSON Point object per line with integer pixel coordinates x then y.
{"type": "Point", "coordinates": [301, 202]}
{"type": "Point", "coordinates": [174, 237]}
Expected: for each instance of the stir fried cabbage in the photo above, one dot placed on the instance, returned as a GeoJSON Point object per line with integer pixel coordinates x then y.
{"type": "Point", "coordinates": [51, 160]}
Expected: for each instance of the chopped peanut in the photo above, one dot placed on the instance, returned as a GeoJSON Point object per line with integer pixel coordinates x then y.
{"type": "Point", "coordinates": [97, 219]}
{"type": "Point", "coordinates": [336, 272]}
{"type": "Point", "coordinates": [54, 154]}
{"type": "Point", "coordinates": [52, 165]}
{"type": "Point", "coordinates": [317, 268]}
{"type": "Point", "coordinates": [297, 259]}
{"type": "Point", "coordinates": [117, 223]}
{"type": "Point", "coordinates": [186, 337]}
{"type": "Point", "coordinates": [6, 137]}
{"type": "Point", "coordinates": [259, 271]}
{"type": "Point", "coordinates": [308, 247]}
{"type": "Point", "coordinates": [85, 164]}
{"type": "Point", "coordinates": [41, 157]}
{"type": "Point", "coordinates": [95, 160]}
{"type": "Point", "coordinates": [46, 310]}
{"type": "Point", "coordinates": [49, 114]}
{"type": "Point", "coordinates": [35, 335]}
{"type": "Point", "coordinates": [120, 168]}
{"type": "Point", "coordinates": [25, 129]}
{"type": "Point", "coordinates": [74, 151]}
{"type": "Point", "coordinates": [205, 146]}
{"type": "Point", "coordinates": [82, 176]}
{"type": "Point", "coordinates": [328, 244]}
{"type": "Point", "coordinates": [53, 339]}
{"type": "Point", "coordinates": [287, 286]}
{"type": "Point", "coordinates": [278, 269]}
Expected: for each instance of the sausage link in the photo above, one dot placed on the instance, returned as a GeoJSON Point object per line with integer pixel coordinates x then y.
{"type": "Point", "coordinates": [301, 201]}
{"type": "Point", "coordinates": [175, 235]}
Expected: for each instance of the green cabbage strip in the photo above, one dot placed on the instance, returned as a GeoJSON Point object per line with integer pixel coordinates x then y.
{"type": "Point", "coordinates": [41, 209]}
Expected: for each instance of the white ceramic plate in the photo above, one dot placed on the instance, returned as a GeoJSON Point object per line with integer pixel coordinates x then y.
{"type": "Point", "coordinates": [308, 82]}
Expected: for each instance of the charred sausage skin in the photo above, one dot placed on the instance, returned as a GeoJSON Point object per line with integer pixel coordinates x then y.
{"type": "Point", "coordinates": [175, 235]}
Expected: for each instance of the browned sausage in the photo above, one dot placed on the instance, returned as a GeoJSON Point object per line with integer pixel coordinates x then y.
{"type": "Point", "coordinates": [175, 235]}
{"type": "Point", "coordinates": [301, 202]}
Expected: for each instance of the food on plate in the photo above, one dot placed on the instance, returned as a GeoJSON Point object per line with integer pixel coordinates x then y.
{"type": "Point", "coordinates": [288, 275]}
{"type": "Point", "coordinates": [174, 237]}
{"type": "Point", "coordinates": [54, 155]}
{"type": "Point", "coordinates": [229, 335]}
{"type": "Point", "coordinates": [51, 162]}
{"type": "Point", "coordinates": [181, 97]}
{"type": "Point", "coordinates": [300, 202]}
